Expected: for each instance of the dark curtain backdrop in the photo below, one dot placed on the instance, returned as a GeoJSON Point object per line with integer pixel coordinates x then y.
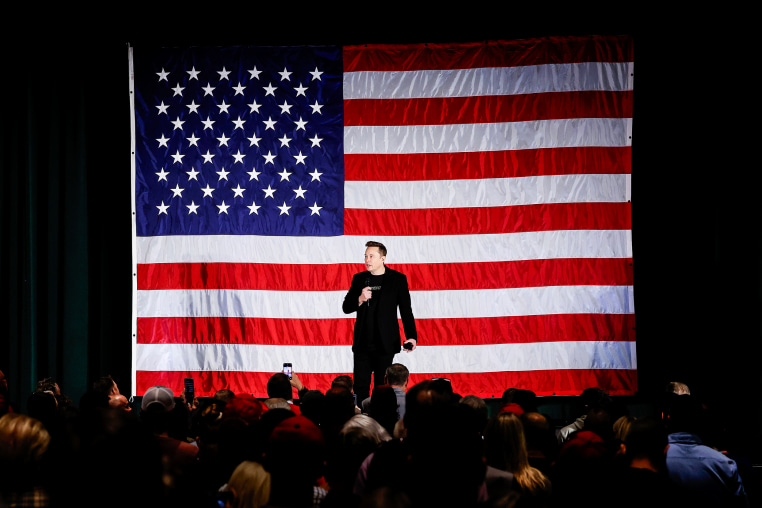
{"type": "Point", "coordinates": [65, 253]}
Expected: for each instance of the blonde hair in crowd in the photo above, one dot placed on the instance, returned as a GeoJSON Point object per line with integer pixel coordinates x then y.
{"type": "Point", "coordinates": [506, 449]}
{"type": "Point", "coordinates": [23, 439]}
{"type": "Point", "coordinates": [678, 388]}
{"type": "Point", "coordinates": [250, 484]}
{"type": "Point", "coordinates": [622, 427]}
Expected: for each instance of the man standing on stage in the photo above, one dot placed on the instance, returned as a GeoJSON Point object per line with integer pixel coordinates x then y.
{"type": "Point", "coordinates": [375, 295]}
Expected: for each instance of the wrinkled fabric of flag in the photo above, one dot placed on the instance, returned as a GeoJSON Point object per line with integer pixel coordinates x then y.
{"type": "Point", "coordinates": [497, 174]}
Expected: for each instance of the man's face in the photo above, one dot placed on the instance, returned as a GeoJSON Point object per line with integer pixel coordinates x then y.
{"type": "Point", "coordinates": [120, 402]}
{"type": "Point", "coordinates": [374, 261]}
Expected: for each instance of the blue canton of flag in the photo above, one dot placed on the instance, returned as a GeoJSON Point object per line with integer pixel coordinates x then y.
{"type": "Point", "coordinates": [242, 141]}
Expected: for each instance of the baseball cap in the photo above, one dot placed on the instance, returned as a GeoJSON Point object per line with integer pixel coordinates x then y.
{"type": "Point", "coordinates": [158, 398]}
{"type": "Point", "coordinates": [245, 407]}
{"type": "Point", "coordinates": [299, 429]}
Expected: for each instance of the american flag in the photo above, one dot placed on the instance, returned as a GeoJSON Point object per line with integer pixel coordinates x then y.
{"type": "Point", "coordinates": [497, 174]}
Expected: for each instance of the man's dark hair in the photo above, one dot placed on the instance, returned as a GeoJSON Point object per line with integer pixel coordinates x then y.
{"type": "Point", "coordinates": [594, 396]}
{"type": "Point", "coordinates": [508, 396]}
{"type": "Point", "coordinates": [42, 406]}
{"type": "Point", "coordinates": [384, 407]}
{"type": "Point", "coordinates": [381, 247]}
{"type": "Point", "coordinates": [343, 381]}
{"type": "Point", "coordinates": [46, 385]}
{"type": "Point", "coordinates": [224, 395]}
{"type": "Point", "coordinates": [312, 405]}
{"type": "Point", "coordinates": [539, 433]}
{"type": "Point", "coordinates": [419, 401]}
{"type": "Point", "coordinates": [104, 385]}
{"type": "Point", "coordinates": [279, 387]}
{"type": "Point", "coordinates": [445, 448]}
{"type": "Point", "coordinates": [647, 438]}
{"type": "Point", "coordinates": [91, 401]}
{"type": "Point", "coordinates": [397, 374]}
{"type": "Point", "coordinates": [527, 399]}
{"type": "Point", "coordinates": [481, 411]}
{"type": "Point", "coordinates": [684, 414]}
{"type": "Point", "coordinates": [338, 408]}
{"type": "Point", "coordinates": [221, 398]}
{"type": "Point", "coordinates": [443, 387]}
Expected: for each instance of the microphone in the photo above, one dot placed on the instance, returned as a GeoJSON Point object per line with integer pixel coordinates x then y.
{"type": "Point", "coordinates": [367, 283]}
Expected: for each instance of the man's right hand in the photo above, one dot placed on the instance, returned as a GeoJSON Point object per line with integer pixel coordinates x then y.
{"type": "Point", "coordinates": [295, 382]}
{"type": "Point", "coordinates": [366, 295]}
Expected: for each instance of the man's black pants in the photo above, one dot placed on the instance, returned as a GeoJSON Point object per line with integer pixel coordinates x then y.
{"type": "Point", "coordinates": [367, 363]}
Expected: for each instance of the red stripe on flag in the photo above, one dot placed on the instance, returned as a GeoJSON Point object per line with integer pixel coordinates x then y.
{"type": "Point", "coordinates": [485, 384]}
{"type": "Point", "coordinates": [497, 108]}
{"type": "Point", "coordinates": [421, 277]}
{"type": "Point", "coordinates": [549, 50]}
{"type": "Point", "coordinates": [497, 164]}
{"type": "Point", "coordinates": [492, 220]}
{"type": "Point", "coordinates": [258, 276]}
{"type": "Point", "coordinates": [433, 332]}
{"type": "Point", "coordinates": [238, 330]}
{"type": "Point", "coordinates": [515, 274]}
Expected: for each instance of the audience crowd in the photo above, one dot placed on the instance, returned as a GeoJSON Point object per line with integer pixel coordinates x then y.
{"type": "Point", "coordinates": [405, 446]}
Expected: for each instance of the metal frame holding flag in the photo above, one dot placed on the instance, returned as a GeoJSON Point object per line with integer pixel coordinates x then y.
{"type": "Point", "coordinates": [497, 174]}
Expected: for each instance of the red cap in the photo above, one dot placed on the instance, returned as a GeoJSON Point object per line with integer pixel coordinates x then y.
{"type": "Point", "coordinates": [512, 407]}
{"type": "Point", "coordinates": [244, 407]}
{"type": "Point", "coordinates": [583, 445]}
{"type": "Point", "coordinates": [297, 428]}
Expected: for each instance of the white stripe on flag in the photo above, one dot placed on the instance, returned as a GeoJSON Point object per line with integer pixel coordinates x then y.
{"type": "Point", "coordinates": [425, 359]}
{"type": "Point", "coordinates": [426, 304]}
{"type": "Point", "coordinates": [534, 190]}
{"type": "Point", "coordinates": [402, 249]}
{"type": "Point", "coordinates": [488, 81]}
{"type": "Point", "coordinates": [487, 137]}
